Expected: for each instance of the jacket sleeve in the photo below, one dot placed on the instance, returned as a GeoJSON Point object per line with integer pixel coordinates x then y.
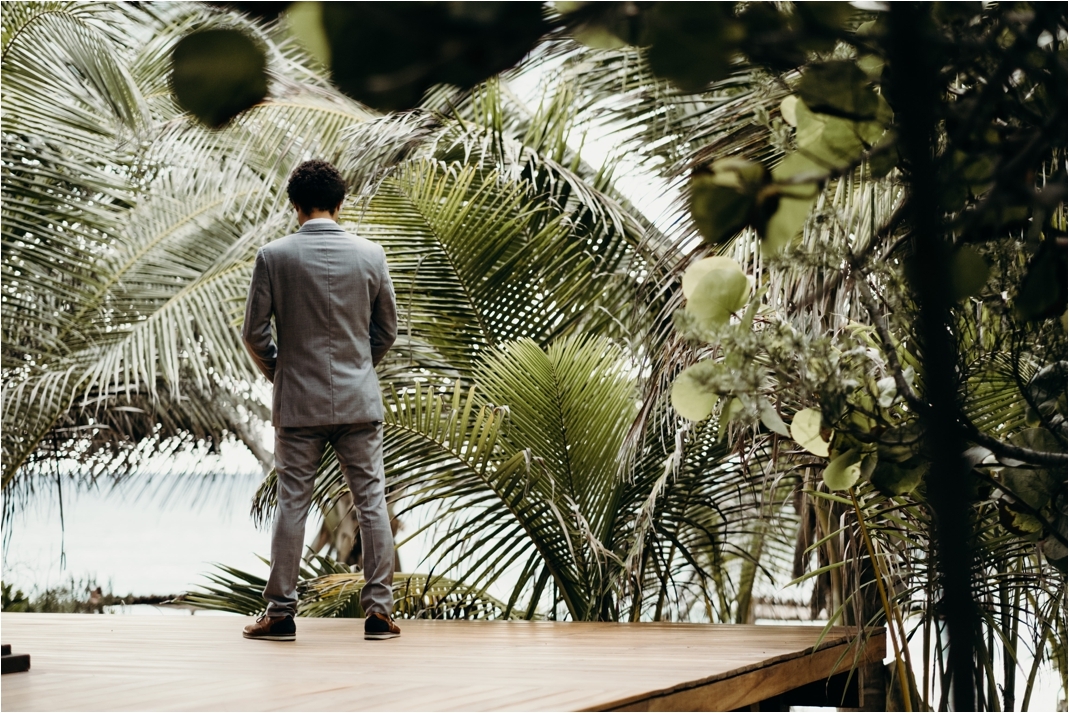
{"type": "Point", "coordinates": [256, 332]}
{"type": "Point", "coordinates": [383, 327]}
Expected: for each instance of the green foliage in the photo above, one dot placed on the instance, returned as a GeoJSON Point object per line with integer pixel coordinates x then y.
{"type": "Point", "coordinates": [843, 471]}
{"type": "Point", "coordinates": [839, 88]}
{"type": "Point", "coordinates": [217, 74]}
{"type": "Point", "coordinates": [795, 140]}
{"type": "Point", "coordinates": [1042, 293]}
{"type": "Point", "coordinates": [968, 272]}
{"type": "Point", "coordinates": [892, 478]}
{"type": "Point", "coordinates": [126, 262]}
{"type": "Point", "coordinates": [690, 43]}
{"type": "Point", "coordinates": [119, 336]}
{"type": "Point", "coordinates": [387, 56]}
{"type": "Point", "coordinates": [329, 589]}
{"type": "Point", "coordinates": [13, 599]}
{"type": "Point", "coordinates": [690, 397]}
{"type": "Point", "coordinates": [76, 596]}
{"type": "Point", "coordinates": [721, 203]}
{"type": "Point", "coordinates": [858, 347]}
{"type": "Point", "coordinates": [718, 295]}
{"type": "Point", "coordinates": [806, 429]}
{"type": "Point", "coordinates": [536, 483]}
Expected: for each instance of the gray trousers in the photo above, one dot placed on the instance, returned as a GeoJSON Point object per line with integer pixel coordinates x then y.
{"type": "Point", "coordinates": [298, 452]}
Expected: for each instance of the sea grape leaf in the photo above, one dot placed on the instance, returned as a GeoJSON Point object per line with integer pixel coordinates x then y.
{"type": "Point", "coordinates": [828, 141]}
{"type": "Point", "coordinates": [597, 37]}
{"type": "Point", "coordinates": [786, 223]}
{"type": "Point", "coordinates": [968, 272]}
{"type": "Point", "coordinates": [387, 55]}
{"type": "Point", "coordinates": [975, 455]}
{"type": "Point", "coordinates": [1038, 439]}
{"type": "Point", "coordinates": [719, 294]}
{"type": "Point", "coordinates": [868, 28]}
{"type": "Point", "coordinates": [805, 430]}
{"type": "Point", "coordinates": [832, 141]}
{"type": "Point", "coordinates": [739, 173]}
{"type": "Point", "coordinates": [305, 20]}
{"type": "Point", "coordinates": [786, 109]}
{"type": "Point", "coordinates": [722, 199]}
{"type": "Point", "coordinates": [868, 465]}
{"type": "Point", "coordinates": [767, 38]}
{"type": "Point", "coordinates": [839, 88]}
{"type": "Point", "coordinates": [1033, 487]}
{"type": "Point", "coordinates": [975, 169]}
{"type": "Point", "coordinates": [692, 43]}
{"type": "Point", "coordinates": [884, 156]}
{"type": "Point", "coordinates": [1056, 553]}
{"type": "Point", "coordinates": [1043, 291]}
{"type": "Point", "coordinates": [809, 124]}
{"type": "Point", "coordinates": [690, 397]}
{"type": "Point", "coordinates": [898, 478]}
{"type": "Point", "coordinates": [606, 25]}
{"type": "Point", "coordinates": [843, 471]}
{"type": "Point", "coordinates": [1052, 548]}
{"type": "Point", "coordinates": [718, 211]}
{"type": "Point", "coordinates": [1017, 522]}
{"type": "Point", "coordinates": [693, 274]}
{"type": "Point", "coordinates": [872, 65]}
{"type": "Point", "coordinates": [822, 23]}
{"type": "Point", "coordinates": [1036, 487]}
{"type": "Point", "coordinates": [732, 410]}
{"type": "Point", "coordinates": [771, 418]}
{"type": "Point", "coordinates": [799, 167]}
{"type": "Point", "coordinates": [217, 74]}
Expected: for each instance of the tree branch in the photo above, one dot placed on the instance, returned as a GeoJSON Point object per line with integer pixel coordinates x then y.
{"type": "Point", "coordinates": [1008, 450]}
{"type": "Point", "coordinates": [999, 448]}
{"type": "Point", "coordinates": [865, 293]}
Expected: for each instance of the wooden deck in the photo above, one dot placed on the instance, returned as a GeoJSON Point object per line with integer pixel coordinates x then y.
{"type": "Point", "coordinates": [87, 662]}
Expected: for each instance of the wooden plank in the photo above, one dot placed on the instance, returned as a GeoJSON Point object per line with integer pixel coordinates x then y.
{"type": "Point", "coordinates": [744, 688]}
{"type": "Point", "coordinates": [93, 662]}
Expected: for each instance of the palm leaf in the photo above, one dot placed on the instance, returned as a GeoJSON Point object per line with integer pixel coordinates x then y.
{"type": "Point", "coordinates": [474, 262]}
{"type": "Point", "coordinates": [328, 589]}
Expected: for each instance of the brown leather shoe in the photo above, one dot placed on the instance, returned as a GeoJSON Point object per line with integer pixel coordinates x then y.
{"type": "Point", "coordinates": [279, 628]}
{"type": "Point", "coordinates": [380, 626]}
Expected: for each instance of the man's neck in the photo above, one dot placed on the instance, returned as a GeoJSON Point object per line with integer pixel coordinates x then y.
{"type": "Point", "coordinates": [317, 214]}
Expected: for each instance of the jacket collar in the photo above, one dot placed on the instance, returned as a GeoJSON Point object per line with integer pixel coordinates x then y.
{"type": "Point", "coordinates": [317, 225]}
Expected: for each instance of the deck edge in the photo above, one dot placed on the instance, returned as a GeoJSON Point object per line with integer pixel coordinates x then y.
{"type": "Point", "coordinates": [835, 651]}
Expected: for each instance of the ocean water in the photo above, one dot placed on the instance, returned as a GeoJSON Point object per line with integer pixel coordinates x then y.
{"type": "Point", "coordinates": [133, 544]}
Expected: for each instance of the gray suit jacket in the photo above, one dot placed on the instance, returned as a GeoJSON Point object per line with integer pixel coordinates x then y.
{"type": "Point", "coordinates": [333, 303]}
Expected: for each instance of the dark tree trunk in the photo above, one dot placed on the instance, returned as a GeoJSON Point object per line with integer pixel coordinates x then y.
{"type": "Point", "coordinates": [916, 95]}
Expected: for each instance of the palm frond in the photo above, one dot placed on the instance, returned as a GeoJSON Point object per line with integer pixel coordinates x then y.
{"type": "Point", "coordinates": [474, 262]}
{"type": "Point", "coordinates": [328, 589]}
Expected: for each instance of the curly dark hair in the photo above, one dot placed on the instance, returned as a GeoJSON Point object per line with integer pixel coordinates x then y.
{"type": "Point", "coordinates": [316, 185]}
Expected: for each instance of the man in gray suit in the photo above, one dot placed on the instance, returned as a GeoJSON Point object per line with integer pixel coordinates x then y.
{"type": "Point", "coordinates": [333, 304]}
